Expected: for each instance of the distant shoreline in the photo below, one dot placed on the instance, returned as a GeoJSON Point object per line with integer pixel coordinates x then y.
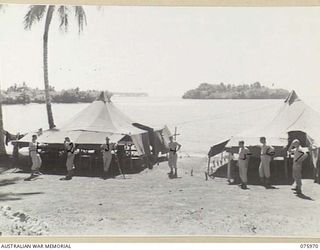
{"type": "Point", "coordinates": [24, 94]}
{"type": "Point", "coordinates": [235, 92]}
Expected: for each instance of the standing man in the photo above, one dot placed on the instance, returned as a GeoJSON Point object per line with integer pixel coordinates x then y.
{"type": "Point", "coordinates": [266, 156]}
{"type": "Point", "coordinates": [35, 157]}
{"type": "Point", "coordinates": [174, 147]}
{"type": "Point", "coordinates": [298, 157]}
{"type": "Point", "coordinates": [70, 148]}
{"type": "Point", "coordinates": [243, 161]}
{"type": "Point", "coordinates": [106, 156]}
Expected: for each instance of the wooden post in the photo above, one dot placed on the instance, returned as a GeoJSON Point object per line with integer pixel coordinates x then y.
{"type": "Point", "coordinates": [175, 133]}
{"type": "Point", "coordinates": [130, 153]}
{"type": "Point", "coordinates": [229, 168]}
{"type": "Point", "coordinates": [286, 168]}
{"type": "Point", "coordinates": [208, 164]}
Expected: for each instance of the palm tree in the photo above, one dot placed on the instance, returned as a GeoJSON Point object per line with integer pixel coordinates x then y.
{"type": "Point", "coordinates": [2, 146]}
{"type": "Point", "coordinates": [36, 14]}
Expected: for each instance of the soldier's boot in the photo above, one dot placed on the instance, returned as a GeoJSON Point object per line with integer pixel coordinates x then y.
{"type": "Point", "coordinates": [268, 185]}
{"type": "Point", "coordinates": [175, 173]}
{"type": "Point", "coordinates": [299, 191]}
{"type": "Point", "coordinates": [104, 175]}
{"type": "Point", "coordinates": [69, 175]}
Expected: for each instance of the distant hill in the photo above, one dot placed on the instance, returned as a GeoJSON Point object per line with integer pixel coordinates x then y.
{"type": "Point", "coordinates": [24, 94]}
{"type": "Point", "coordinates": [228, 91]}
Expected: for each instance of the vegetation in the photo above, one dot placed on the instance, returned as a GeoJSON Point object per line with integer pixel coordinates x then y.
{"type": "Point", "coordinates": [228, 91]}
{"type": "Point", "coordinates": [23, 94]}
{"type": "Point", "coordinates": [36, 14]}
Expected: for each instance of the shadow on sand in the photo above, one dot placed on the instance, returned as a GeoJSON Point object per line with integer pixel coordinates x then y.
{"type": "Point", "coordinates": [11, 181]}
{"type": "Point", "coordinates": [15, 196]}
{"type": "Point", "coordinates": [304, 197]}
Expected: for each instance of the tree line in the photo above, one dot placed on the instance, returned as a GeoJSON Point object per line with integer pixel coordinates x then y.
{"type": "Point", "coordinates": [24, 94]}
{"type": "Point", "coordinates": [231, 91]}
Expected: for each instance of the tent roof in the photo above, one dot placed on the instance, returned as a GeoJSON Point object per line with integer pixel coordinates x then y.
{"type": "Point", "coordinates": [293, 115]}
{"type": "Point", "coordinates": [101, 116]}
{"type": "Point", "coordinates": [91, 125]}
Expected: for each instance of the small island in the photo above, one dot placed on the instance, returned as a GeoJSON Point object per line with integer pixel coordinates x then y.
{"type": "Point", "coordinates": [23, 94]}
{"type": "Point", "coordinates": [230, 91]}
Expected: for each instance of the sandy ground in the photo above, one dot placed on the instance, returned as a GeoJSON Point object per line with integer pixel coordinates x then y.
{"type": "Point", "coordinates": [149, 203]}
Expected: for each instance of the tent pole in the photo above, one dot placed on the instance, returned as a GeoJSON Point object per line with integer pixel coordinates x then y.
{"type": "Point", "coordinates": [206, 173]}
{"type": "Point", "coordinates": [286, 167]}
{"type": "Point", "coordinates": [131, 165]}
{"type": "Point", "coordinates": [209, 157]}
{"type": "Point", "coordinates": [229, 167]}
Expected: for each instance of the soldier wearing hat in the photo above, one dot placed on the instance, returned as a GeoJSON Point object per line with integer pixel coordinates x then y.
{"type": "Point", "coordinates": [106, 156]}
{"type": "Point", "coordinates": [35, 156]}
{"type": "Point", "coordinates": [70, 147]}
{"type": "Point", "coordinates": [174, 147]}
{"type": "Point", "coordinates": [298, 157]}
{"type": "Point", "coordinates": [243, 161]}
{"type": "Point", "coordinates": [266, 156]}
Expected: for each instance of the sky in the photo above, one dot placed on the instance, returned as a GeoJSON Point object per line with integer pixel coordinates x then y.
{"type": "Point", "coordinates": [166, 51]}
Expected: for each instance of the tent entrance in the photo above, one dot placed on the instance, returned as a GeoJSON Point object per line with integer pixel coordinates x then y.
{"type": "Point", "coordinates": [299, 135]}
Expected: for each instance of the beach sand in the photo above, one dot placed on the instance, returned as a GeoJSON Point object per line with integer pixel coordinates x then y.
{"type": "Point", "coordinates": [149, 203]}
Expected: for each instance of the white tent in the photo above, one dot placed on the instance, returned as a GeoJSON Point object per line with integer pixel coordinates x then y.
{"type": "Point", "coordinates": [294, 117]}
{"type": "Point", "coordinates": [91, 126]}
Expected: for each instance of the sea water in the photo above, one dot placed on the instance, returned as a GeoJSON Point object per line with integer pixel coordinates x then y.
{"type": "Point", "coordinates": [200, 123]}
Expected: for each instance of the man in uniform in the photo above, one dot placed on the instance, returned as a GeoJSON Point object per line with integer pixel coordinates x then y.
{"type": "Point", "coordinates": [106, 156]}
{"type": "Point", "coordinates": [173, 157]}
{"type": "Point", "coordinates": [70, 148]}
{"type": "Point", "coordinates": [266, 156]}
{"type": "Point", "coordinates": [243, 162]}
{"type": "Point", "coordinates": [35, 157]}
{"type": "Point", "coordinates": [298, 157]}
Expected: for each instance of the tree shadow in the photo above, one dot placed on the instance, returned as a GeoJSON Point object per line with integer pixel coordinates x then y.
{"type": "Point", "coordinates": [7, 197]}
{"type": "Point", "coordinates": [11, 181]}
{"type": "Point", "coordinates": [16, 196]}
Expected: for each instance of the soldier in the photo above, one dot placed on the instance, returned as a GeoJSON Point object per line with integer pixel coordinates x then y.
{"type": "Point", "coordinates": [35, 157]}
{"type": "Point", "coordinates": [298, 157]}
{"type": "Point", "coordinates": [266, 156]}
{"type": "Point", "coordinates": [173, 157]}
{"type": "Point", "coordinates": [106, 156]}
{"type": "Point", "coordinates": [243, 161]}
{"type": "Point", "coordinates": [70, 148]}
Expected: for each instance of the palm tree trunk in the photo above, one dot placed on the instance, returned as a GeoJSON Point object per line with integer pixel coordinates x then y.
{"type": "Point", "coordinates": [2, 146]}
{"type": "Point", "coordinates": [45, 66]}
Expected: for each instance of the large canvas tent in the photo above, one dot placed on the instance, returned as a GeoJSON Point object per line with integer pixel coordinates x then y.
{"type": "Point", "coordinates": [89, 128]}
{"type": "Point", "coordinates": [294, 120]}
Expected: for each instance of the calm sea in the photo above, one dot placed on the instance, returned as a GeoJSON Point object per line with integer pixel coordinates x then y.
{"type": "Point", "coordinates": [200, 123]}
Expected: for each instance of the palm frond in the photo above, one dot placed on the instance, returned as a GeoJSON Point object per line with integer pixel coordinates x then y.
{"type": "Point", "coordinates": [64, 14]}
{"type": "Point", "coordinates": [35, 14]}
{"type": "Point", "coordinates": [81, 17]}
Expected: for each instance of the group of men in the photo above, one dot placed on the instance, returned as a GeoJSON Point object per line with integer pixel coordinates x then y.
{"type": "Point", "coordinates": [70, 149]}
{"type": "Point", "coordinates": [267, 152]}
{"type": "Point", "coordinates": [106, 150]}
